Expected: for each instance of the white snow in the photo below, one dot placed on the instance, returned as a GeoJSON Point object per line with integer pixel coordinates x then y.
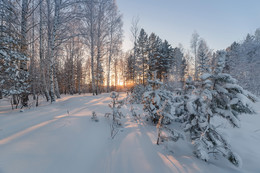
{"type": "Point", "coordinates": [62, 138]}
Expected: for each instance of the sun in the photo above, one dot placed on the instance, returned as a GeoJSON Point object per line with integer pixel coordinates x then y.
{"type": "Point", "coordinates": [121, 83]}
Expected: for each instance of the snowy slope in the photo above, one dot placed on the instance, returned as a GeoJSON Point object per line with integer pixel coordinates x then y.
{"type": "Point", "coordinates": [61, 137]}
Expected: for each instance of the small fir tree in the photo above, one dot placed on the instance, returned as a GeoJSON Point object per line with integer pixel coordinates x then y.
{"type": "Point", "coordinates": [158, 103]}
{"type": "Point", "coordinates": [219, 95]}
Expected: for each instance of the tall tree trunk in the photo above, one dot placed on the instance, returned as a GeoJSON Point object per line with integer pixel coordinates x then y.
{"type": "Point", "coordinates": [79, 76]}
{"type": "Point", "coordinates": [92, 49]}
{"type": "Point", "coordinates": [23, 64]}
{"type": "Point", "coordinates": [72, 68]}
{"type": "Point", "coordinates": [98, 70]}
{"type": "Point", "coordinates": [109, 59]}
{"type": "Point", "coordinates": [98, 75]}
{"type": "Point", "coordinates": [109, 67]}
{"type": "Point", "coordinates": [45, 90]}
{"type": "Point", "coordinates": [33, 60]}
{"type": "Point", "coordinates": [143, 68]}
{"type": "Point", "coordinates": [134, 60]}
{"type": "Point", "coordinates": [57, 90]}
{"type": "Point", "coordinates": [52, 46]}
{"type": "Point", "coordinates": [115, 68]}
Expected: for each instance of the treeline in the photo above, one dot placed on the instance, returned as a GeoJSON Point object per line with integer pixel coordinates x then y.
{"type": "Point", "coordinates": [48, 47]}
{"type": "Point", "coordinates": [173, 65]}
{"type": "Point", "coordinates": [151, 54]}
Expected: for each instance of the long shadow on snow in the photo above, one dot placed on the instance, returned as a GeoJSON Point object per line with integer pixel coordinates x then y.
{"type": "Point", "coordinates": [57, 114]}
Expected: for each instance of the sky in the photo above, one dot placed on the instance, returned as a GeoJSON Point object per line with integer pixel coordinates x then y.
{"type": "Point", "coordinates": [219, 22]}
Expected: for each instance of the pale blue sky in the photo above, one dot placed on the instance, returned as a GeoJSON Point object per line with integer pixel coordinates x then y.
{"type": "Point", "coordinates": [219, 22]}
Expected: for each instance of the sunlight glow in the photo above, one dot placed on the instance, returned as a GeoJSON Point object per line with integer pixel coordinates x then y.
{"type": "Point", "coordinates": [121, 83]}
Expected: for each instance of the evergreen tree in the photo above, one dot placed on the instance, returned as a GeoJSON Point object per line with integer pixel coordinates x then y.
{"type": "Point", "coordinates": [155, 97]}
{"type": "Point", "coordinates": [13, 79]}
{"type": "Point", "coordinates": [219, 95]}
{"type": "Point", "coordinates": [203, 57]}
{"type": "Point", "coordinates": [158, 103]}
{"type": "Point", "coordinates": [142, 68]}
{"type": "Point", "coordinates": [165, 61]}
{"type": "Point", "coordinates": [153, 54]}
{"type": "Point", "coordinates": [230, 99]}
{"type": "Point", "coordinates": [130, 75]}
{"type": "Point", "coordinates": [182, 102]}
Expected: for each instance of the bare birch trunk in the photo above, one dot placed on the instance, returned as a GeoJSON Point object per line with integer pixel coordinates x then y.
{"type": "Point", "coordinates": [57, 90]}
{"type": "Point", "coordinates": [52, 37]}
{"type": "Point", "coordinates": [92, 49]}
{"type": "Point", "coordinates": [23, 64]}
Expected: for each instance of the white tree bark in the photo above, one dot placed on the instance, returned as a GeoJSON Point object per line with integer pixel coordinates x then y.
{"type": "Point", "coordinates": [43, 78]}
{"type": "Point", "coordinates": [52, 39]}
{"type": "Point", "coordinates": [23, 64]}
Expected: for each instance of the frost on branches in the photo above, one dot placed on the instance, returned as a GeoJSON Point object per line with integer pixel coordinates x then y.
{"type": "Point", "coordinates": [219, 95]}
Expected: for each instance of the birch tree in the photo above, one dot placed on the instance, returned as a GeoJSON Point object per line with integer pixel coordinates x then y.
{"type": "Point", "coordinates": [24, 48]}
{"type": "Point", "coordinates": [41, 56]}
{"type": "Point", "coordinates": [115, 38]}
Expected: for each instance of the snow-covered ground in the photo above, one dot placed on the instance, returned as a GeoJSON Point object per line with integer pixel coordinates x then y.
{"type": "Point", "coordinates": [62, 138]}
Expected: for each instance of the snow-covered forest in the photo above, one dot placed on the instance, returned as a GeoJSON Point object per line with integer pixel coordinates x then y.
{"type": "Point", "coordinates": [73, 100]}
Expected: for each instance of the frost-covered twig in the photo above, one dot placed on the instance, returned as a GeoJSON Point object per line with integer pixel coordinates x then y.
{"type": "Point", "coordinates": [115, 105]}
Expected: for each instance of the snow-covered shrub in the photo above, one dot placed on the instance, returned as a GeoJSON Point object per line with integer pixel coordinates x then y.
{"type": "Point", "coordinates": [133, 112]}
{"type": "Point", "coordinates": [115, 105]}
{"type": "Point", "coordinates": [94, 117]}
{"type": "Point", "coordinates": [170, 134]}
{"type": "Point", "coordinates": [137, 94]}
{"type": "Point", "coordinates": [114, 95]}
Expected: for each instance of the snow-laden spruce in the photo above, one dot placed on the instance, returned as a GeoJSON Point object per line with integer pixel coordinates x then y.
{"type": "Point", "coordinates": [137, 94]}
{"type": "Point", "coordinates": [154, 99]}
{"type": "Point", "coordinates": [219, 95]}
{"type": "Point", "coordinates": [13, 79]}
{"type": "Point", "coordinates": [158, 103]}
{"type": "Point", "coordinates": [181, 104]}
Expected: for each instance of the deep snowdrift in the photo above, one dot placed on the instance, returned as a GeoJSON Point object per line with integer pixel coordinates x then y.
{"type": "Point", "coordinates": [61, 138]}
